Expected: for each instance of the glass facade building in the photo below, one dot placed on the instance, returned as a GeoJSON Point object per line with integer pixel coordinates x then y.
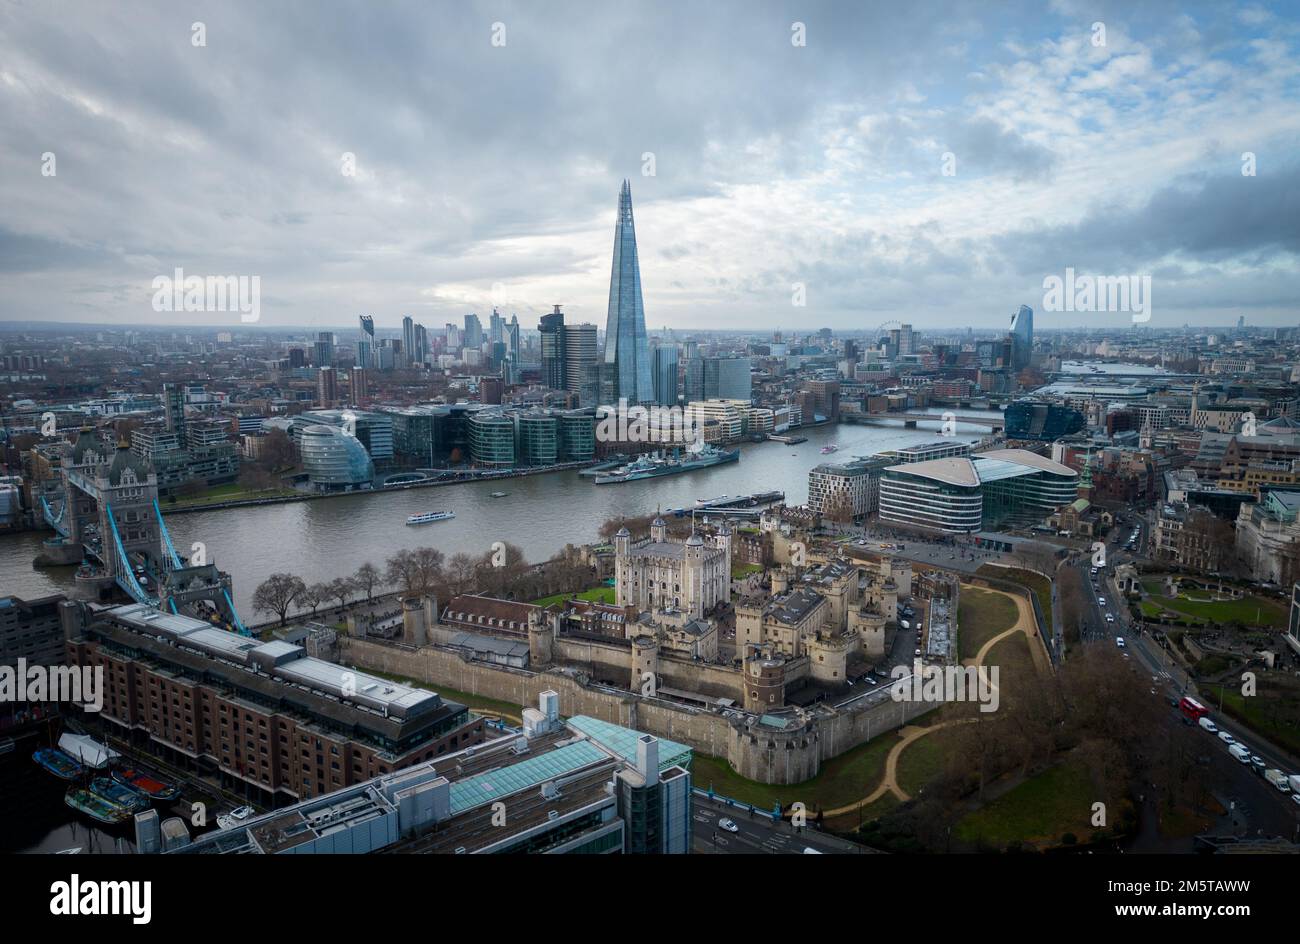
{"type": "Point", "coordinates": [957, 494]}
{"type": "Point", "coordinates": [492, 439]}
{"type": "Point", "coordinates": [334, 460]}
{"type": "Point", "coordinates": [626, 372]}
{"type": "Point", "coordinates": [537, 439]}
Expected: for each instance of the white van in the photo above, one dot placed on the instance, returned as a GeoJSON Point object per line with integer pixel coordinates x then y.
{"type": "Point", "coordinates": [1209, 725]}
{"type": "Point", "coordinates": [1240, 752]}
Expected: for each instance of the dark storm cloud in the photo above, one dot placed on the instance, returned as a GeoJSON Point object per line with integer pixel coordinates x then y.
{"type": "Point", "coordinates": [478, 164]}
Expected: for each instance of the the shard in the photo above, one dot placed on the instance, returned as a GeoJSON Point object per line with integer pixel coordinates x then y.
{"type": "Point", "coordinates": [626, 370]}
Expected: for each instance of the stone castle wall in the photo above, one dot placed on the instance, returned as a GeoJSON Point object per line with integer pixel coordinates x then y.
{"type": "Point", "coordinates": [755, 751]}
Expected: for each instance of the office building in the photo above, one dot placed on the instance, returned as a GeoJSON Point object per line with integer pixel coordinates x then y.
{"type": "Point", "coordinates": [581, 786]}
{"type": "Point", "coordinates": [1022, 338]}
{"type": "Point", "coordinates": [960, 494]}
{"type": "Point", "coordinates": [324, 349]}
{"type": "Point", "coordinates": [665, 374]}
{"type": "Point", "coordinates": [408, 337]}
{"type": "Point", "coordinates": [626, 370]}
{"type": "Point", "coordinates": [473, 332]}
{"type": "Point", "coordinates": [492, 439]}
{"type": "Point", "coordinates": [582, 363]}
{"type": "Point", "coordinates": [551, 332]}
{"type": "Point", "coordinates": [1037, 419]}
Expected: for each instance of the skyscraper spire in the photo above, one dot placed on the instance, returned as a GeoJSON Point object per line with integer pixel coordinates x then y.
{"type": "Point", "coordinates": [626, 368]}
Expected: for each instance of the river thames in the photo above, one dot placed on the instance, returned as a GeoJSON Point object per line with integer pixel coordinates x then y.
{"type": "Point", "coordinates": [327, 538]}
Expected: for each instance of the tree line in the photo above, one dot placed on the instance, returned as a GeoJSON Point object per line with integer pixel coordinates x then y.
{"type": "Point", "coordinates": [500, 572]}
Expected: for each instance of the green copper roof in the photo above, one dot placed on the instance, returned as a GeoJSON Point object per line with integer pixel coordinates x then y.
{"type": "Point", "coordinates": [622, 741]}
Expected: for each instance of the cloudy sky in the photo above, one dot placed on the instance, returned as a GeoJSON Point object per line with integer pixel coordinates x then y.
{"type": "Point", "coordinates": [490, 140]}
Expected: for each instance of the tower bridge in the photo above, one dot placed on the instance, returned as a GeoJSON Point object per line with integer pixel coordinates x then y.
{"type": "Point", "coordinates": [104, 511]}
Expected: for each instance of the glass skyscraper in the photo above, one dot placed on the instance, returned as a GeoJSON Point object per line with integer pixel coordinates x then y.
{"type": "Point", "coordinates": [626, 371]}
{"type": "Point", "coordinates": [1022, 337]}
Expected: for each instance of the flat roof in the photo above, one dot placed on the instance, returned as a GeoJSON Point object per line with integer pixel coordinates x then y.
{"type": "Point", "coordinates": [493, 785]}
{"type": "Point", "coordinates": [623, 741]}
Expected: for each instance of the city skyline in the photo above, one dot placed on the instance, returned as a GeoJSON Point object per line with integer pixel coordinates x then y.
{"type": "Point", "coordinates": [819, 169]}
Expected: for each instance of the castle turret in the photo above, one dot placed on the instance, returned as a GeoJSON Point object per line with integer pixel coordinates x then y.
{"type": "Point", "coordinates": [764, 682]}
{"type": "Point", "coordinates": [645, 665]}
{"type": "Point", "coordinates": [658, 530]}
{"type": "Point", "coordinates": [415, 628]}
{"type": "Point", "coordinates": [541, 637]}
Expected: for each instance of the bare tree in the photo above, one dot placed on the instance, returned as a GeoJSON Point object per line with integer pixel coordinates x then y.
{"type": "Point", "coordinates": [366, 579]}
{"type": "Point", "coordinates": [340, 589]}
{"type": "Point", "coordinates": [277, 593]}
{"type": "Point", "coordinates": [314, 596]}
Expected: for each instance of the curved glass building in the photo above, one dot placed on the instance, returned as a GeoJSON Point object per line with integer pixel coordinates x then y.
{"type": "Point", "coordinates": [334, 460]}
{"type": "Point", "coordinates": [990, 489]}
{"type": "Point", "coordinates": [492, 439]}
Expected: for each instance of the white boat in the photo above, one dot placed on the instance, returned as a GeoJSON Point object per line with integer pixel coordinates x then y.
{"type": "Point", "coordinates": [87, 750]}
{"type": "Point", "coordinates": [234, 817]}
{"type": "Point", "coordinates": [500, 494]}
{"type": "Point", "coordinates": [827, 450]}
{"type": "Point", "coordinates": [430, 516]}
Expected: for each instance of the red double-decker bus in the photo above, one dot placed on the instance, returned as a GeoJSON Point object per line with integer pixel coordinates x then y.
{"type": "Point", "coordinates": [1193, 708]}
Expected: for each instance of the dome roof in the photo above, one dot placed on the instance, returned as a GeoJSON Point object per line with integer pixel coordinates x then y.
{"type": "Point", "coordinates": [694, 540]}
{"type": "Point", "coordinates": [127, 469]}
{"type": "Point", "coordinates": [623, 532]}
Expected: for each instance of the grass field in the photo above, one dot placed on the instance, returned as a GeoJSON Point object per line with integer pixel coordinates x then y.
{"type": "Point", "coordinates": [1037, 583]}
{"type": "Point", "coordinates": [849, 822]}
{"type": "Point", "coordinates": [600, 594]}
{"type": "Point", "coordinates": [1273, 712]}
{"type": "Point", "coordinates": [925, 759]}
{"type": "Point", "coordinates": [842, 780]}
{"type": "Point", "coordinates": [981, 615]}
{"type": "Point", "coordinates": [231, 491]}
{"type": "Point", "coordinates": [1041, 810]}
{"type": "Point", "coordinates": [1249, 611]}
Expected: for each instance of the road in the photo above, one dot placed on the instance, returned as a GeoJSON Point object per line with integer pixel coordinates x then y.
{"type": "Point", "coordinates": [757, 834]}
{"type": "Point", "coordinates": [1258, 808]}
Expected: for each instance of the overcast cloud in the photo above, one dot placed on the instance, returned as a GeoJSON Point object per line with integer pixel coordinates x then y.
{"type": "Point", "coordinates": [481, 165]}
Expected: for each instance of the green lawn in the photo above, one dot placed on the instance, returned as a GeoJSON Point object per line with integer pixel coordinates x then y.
{"type": "Point", "coordinates": [843, 779]}
{"type": "Point", "coordinates": [1042, 809]}
{"type": "Point", "coordinates": [600, 594]}
{"type": "Point", "coordinates": [981, 615]}
{"type": "Point", "coordinates": [1249, 611]}
{"type": "Point", "coordinates": [744, 570]}
{"type": "Point", "coordinates": [1037, 583]}
{"type": "Point", "coordinates": [925, 759]}
{"type": "Point", "coordinates": [1274, 712]}
{"type": "Point", "coordinates": [231, 491]}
